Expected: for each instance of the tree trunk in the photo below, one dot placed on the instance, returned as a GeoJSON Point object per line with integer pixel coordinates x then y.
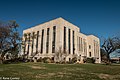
{"type": "Point", "coordinates": [1, 60]}
{"type": "Point", "coordinates": [108, 59]}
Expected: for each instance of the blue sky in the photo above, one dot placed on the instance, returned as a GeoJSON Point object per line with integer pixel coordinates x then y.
{"type": "Point", "coordinates": [97, 17]}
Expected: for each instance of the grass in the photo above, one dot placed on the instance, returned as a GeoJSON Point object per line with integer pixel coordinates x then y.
{"type": "Point", "coordinates": [42, 71]}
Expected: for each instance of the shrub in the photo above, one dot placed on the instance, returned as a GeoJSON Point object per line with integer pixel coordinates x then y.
{"type": "Point", "coordinates": [90, 60]}
{"type": "Point", "coordinates": [84, 60]}
{"type": "Point", "coordinates": [46, 60]}
{"type": "Point", "coordinates": [39, 60]}
{"type": "Point", "coordinates": [1, 60]}
{"type": "Point", "coordinates": [74, 60]}
{"type": "Point", "coordinates": [57, 62]}
{"type": "Point", "coordinates": [69, 62]}
{"type": "Point", "coordinates": [15, 60]}
{"type": "Point", "coordinates": [63, 62]}
{"type": "Point", "coordinates": [52, 61]}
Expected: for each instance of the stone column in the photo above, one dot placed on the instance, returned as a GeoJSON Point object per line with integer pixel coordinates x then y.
{"type": "Point", "coordinates": [62, 37]}
{"type": "Point", "coordinates": [30, 44]}
{"type": "Point", "coordinates": [71, 42]}
{"type": "Point", "coordinates": [50, 40]}
{"type": "Point", "coordinates": [34, 43]}
{"type": "Point", "coordinates": [67, 39]}
{"type": "Point", "coordinates": [39, 41]}
{"type": "Point", "coordinates": [75, 42]}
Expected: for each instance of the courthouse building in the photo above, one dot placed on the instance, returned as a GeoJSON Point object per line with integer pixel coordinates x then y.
{"type": "Point", "coordinates": [61, 34]}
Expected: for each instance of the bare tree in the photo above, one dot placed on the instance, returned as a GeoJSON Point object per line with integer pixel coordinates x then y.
{"type": "Point", "coordinates": [9, 39]}
{"type": "Point", "coordinates": [117, 42]}
{"type": "Point", "coordinates": [110, 45]}
{"type": "Point", "coordinates": [103, 55]}
{"type": "Point", "coordinates": [60, 55]}
{"type": "Point", "coordinates": [4, 43]}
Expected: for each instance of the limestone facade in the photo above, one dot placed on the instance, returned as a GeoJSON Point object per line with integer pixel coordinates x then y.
{"type": "Point", "coordinates": [59, 33]}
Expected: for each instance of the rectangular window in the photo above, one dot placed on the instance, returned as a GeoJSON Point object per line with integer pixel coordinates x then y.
{"type": "Point", "coordinates": [33, 35]}
{"type": "Point", "coordinates": [69, 59]}
{"type": "Point", "coordinates": [25, 40]}
{"type": "Point", "coordinates": [94, 47]}
{"type": "Point", "coordinates": [69, 48]}
{"type": "Point", "coordinates": [47, 42]}
{"type": "Point", "coordinates": [84, 45]}
{"type": "Point", "coordinates": [79, 43]}
{"type": "Point", "coordinates": [37, 42]}
{"type": "Point", "coordinates": [64, 39]}
{"type": "Point", "coordinates": [89, 54]}
{"type": "Point", "coordinates": [42, 41]}
{"type": "Point", "coordinates": [54, 36]}
{"type": "Point", "coordinates": [52, 58]}
{"type": "Point", "coordinates": [89, 46]}
{"type": "Point", "coordinates": [73, 44]}
{"type": "Point", "coordinates": [28, 43]}
{"type": "Point", "coordinates": [25, 44]}
{"type": "Point", "coordinates": [85, 48]}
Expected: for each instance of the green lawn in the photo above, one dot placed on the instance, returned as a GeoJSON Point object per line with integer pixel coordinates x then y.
{"type": "Point", "coordinates": [42, 71]}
